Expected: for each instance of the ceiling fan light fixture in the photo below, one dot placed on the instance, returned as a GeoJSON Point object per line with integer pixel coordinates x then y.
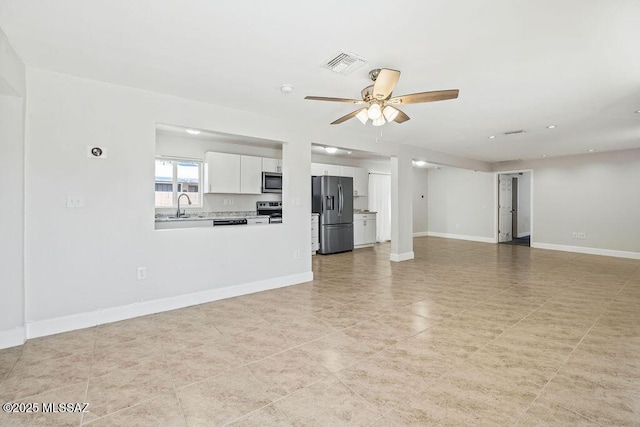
{"type": "Point", "coordinates": [390, 113]}
{"type": "Point", "coordinates": [379, 121]}
{"type": "Point", "coordinates": [374, 112]}
{"type": "Point", "coordinates": [363, 116]}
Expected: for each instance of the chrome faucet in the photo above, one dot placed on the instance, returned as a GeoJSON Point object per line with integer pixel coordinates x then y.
{"type": "Point", "coordinates": [188, 199]}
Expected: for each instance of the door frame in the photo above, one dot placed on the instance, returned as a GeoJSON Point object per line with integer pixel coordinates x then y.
{"type": "Point", "coordinates": [496, 193]}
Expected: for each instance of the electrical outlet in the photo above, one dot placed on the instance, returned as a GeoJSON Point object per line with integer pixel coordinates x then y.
{"type": "Point", "coordinates": [296, 254]}
{"type": "Point", "coordinates": [582, 236]}
{"type": "Point", "coordinates": [75, 200]}
{"type": "Point", "coordinates": [574, 234]}
{"type": "Point", "coordinates": [225, 202]}
{"type": "Point", "coordinates": [295, 202]}
{"type": "Point", "coordinates": [230, 201]}
{"type": "Point", "coordinates": [142, 273]}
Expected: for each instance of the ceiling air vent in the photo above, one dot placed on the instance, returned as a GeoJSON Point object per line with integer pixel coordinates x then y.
{"type": "Point", "coordinates": [514, 132]}
{"type": "Point", "coordinates": [344, 63]}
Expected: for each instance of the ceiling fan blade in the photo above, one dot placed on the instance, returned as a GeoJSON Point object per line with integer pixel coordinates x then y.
{"type": "Point", "coordinates": [401, 117]}
{"type": "Point", "coordinates": [347, 117]}
{"type": "Point", "coordinates": [415, 98]}
{"type": "Point", "coordinates": [324, 98]}
{"type": "Point", "coordinates": [385, 83]}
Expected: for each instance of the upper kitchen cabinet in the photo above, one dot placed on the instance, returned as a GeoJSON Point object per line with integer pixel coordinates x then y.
{"type": "Point", "coordinates": [347, 171]}
{"type": "Point", "coordinates": [318, 169]}
{"type": "Point", "coordinates": [250, 175]}
{"type": "Point", "coordinates": [232, 173]}
{"type": "Point", "coordinates": [360, 182]}
{"type": "Point", "coordinates": [271, 165]}
{"type": "Point", "coordinates": [222, 172]}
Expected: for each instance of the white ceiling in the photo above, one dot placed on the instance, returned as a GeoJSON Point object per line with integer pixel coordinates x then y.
{"type": "Point", "coordinates": [518, 64]}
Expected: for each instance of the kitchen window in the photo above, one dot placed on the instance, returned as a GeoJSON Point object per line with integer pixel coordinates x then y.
{"type": "Point", "coordinates": [175, 176]}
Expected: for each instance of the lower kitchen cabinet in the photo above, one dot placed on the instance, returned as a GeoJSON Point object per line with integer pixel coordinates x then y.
{"type": "Point", "coordinates": [315, 233]}
{"type": "Point", "coordinates": [364, 230]}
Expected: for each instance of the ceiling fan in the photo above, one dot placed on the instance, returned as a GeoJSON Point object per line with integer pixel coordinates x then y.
{"type": "Point", "coordinates": [380, 106]}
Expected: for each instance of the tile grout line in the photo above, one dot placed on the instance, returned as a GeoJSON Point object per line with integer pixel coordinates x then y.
{"type": "Point", "coordinates": [565, 362]}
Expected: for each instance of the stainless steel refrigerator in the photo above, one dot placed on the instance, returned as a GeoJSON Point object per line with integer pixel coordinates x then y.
{"type": "Point", "coordinates": [332, 198]}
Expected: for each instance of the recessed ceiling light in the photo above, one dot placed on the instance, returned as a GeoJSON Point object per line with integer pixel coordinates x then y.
{"type": "Point", "coordinates": [551, 127]}
{"type": "Point", "coordinates": [544, 155]}
{"type": "Point", "coordinates": [286, 88]}
{"type": "Point", "coordinates": [492, 137]}
{"type": "Point", "coordinates": [193, 131]}
{"type": "Point", "coordinates": [420, 163]}
{"type": "Point", "coordinates": [591, 150]}
{"type": "Point", "coordinates": [638, 111]}
{"type": "Point", "coordinates": [349, 152]}
{"type": "Point", "coordinates": [330, 150]}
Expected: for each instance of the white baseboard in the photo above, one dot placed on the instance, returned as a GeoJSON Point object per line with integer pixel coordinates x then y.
{"type": "Point", "coordinates": [525, 234]}
{"type": "Point", "coordinates": [12, 337]}
{"type": "Point", "coordinates": [462, 237]}
{"type": "Point", "coordinates": [421, 234]}
{"type": "Point", "coordinates": [584, 250]}
{"type": "Point", "coordinates": [401, 257]}
{"type": "Point", "coordinates": [57, 325]}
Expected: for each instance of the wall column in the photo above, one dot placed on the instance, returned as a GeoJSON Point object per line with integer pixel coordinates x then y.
{"type": "Point", "coordinates": [401, 206]}
{"type": "Point", "coordinates": [12, 115]}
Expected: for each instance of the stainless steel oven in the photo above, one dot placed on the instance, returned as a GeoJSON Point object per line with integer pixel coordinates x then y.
{"type": "Point", "coordinates": [271, 182]}
{"type": "Point", "coordinates": [273, 209]}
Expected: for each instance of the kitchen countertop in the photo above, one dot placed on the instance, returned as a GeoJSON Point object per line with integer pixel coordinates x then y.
{"type": "Point", "coordinates": [358, 211]}
{"type": "Point", "coordinates": [210, 216]}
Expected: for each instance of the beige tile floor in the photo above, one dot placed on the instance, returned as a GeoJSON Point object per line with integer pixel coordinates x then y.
{"type": "Point", "coordinates": [466, 334]}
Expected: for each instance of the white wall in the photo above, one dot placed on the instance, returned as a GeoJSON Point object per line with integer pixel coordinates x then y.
{"type": "Point", "coordinates": [12, 115]}
{"type": "Point", "coordinates": [420, 225]}
{"type": "Point", "coordinates": [82, 262]}
{"type": "Point", "coordinates": [598, 194]}
{"type": "Point", "coordinates": [461, 204]}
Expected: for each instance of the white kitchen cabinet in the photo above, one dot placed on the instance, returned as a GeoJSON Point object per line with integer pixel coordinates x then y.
{"type": "Point", "coordinates": [254, 221]}
{"type": "Point", "coordinates": [250, 175]}
{"type": "Point", "coordinates": [222, 173]}
{"type": "Point", "coordinates": [347, 171]}
{"type": "Point", "coordinates": [364, 230]}
{"type": "Point", "coordinates": [318, 169]}
{"type": "Point", "coordinates": [271, 165]}
{"type": "Point", "coordinates": [315, 233]}
{"type": "Point", "coordinates": [360, 182]}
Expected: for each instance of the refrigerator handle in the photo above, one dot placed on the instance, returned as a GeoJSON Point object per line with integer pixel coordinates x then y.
{"type": "Point", "coordinates": [340, 200]}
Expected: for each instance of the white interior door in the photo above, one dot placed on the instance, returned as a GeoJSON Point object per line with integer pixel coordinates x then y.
{"type": "Point", "coordinates": [505, 208]}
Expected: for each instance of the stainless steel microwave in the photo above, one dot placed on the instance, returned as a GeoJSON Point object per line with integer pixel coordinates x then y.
{"type": "Point", "coordinates": [271, 182]}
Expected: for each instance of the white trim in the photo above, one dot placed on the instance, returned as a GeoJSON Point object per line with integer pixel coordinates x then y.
{"type": "Point", "coordinates": [462, 237]}
{"type": "Point", "coordinates": [525, 234]}
{"type": "Point", "coordinates": [364, 245]}
{"type": "Point", "coordinates": [421, 234]}
{"type": "Point", "coordinates": [57, 325]}
{"type": "Point", "coordinates": [585, 250]}
{"type": "Point", "coordinates": [12, 337]}
{"type": "Point", "coordinates": [401, 257]}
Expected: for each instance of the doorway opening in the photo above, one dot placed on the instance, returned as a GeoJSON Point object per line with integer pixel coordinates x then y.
{"type": "Point", "coordinates": [515, 208]}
